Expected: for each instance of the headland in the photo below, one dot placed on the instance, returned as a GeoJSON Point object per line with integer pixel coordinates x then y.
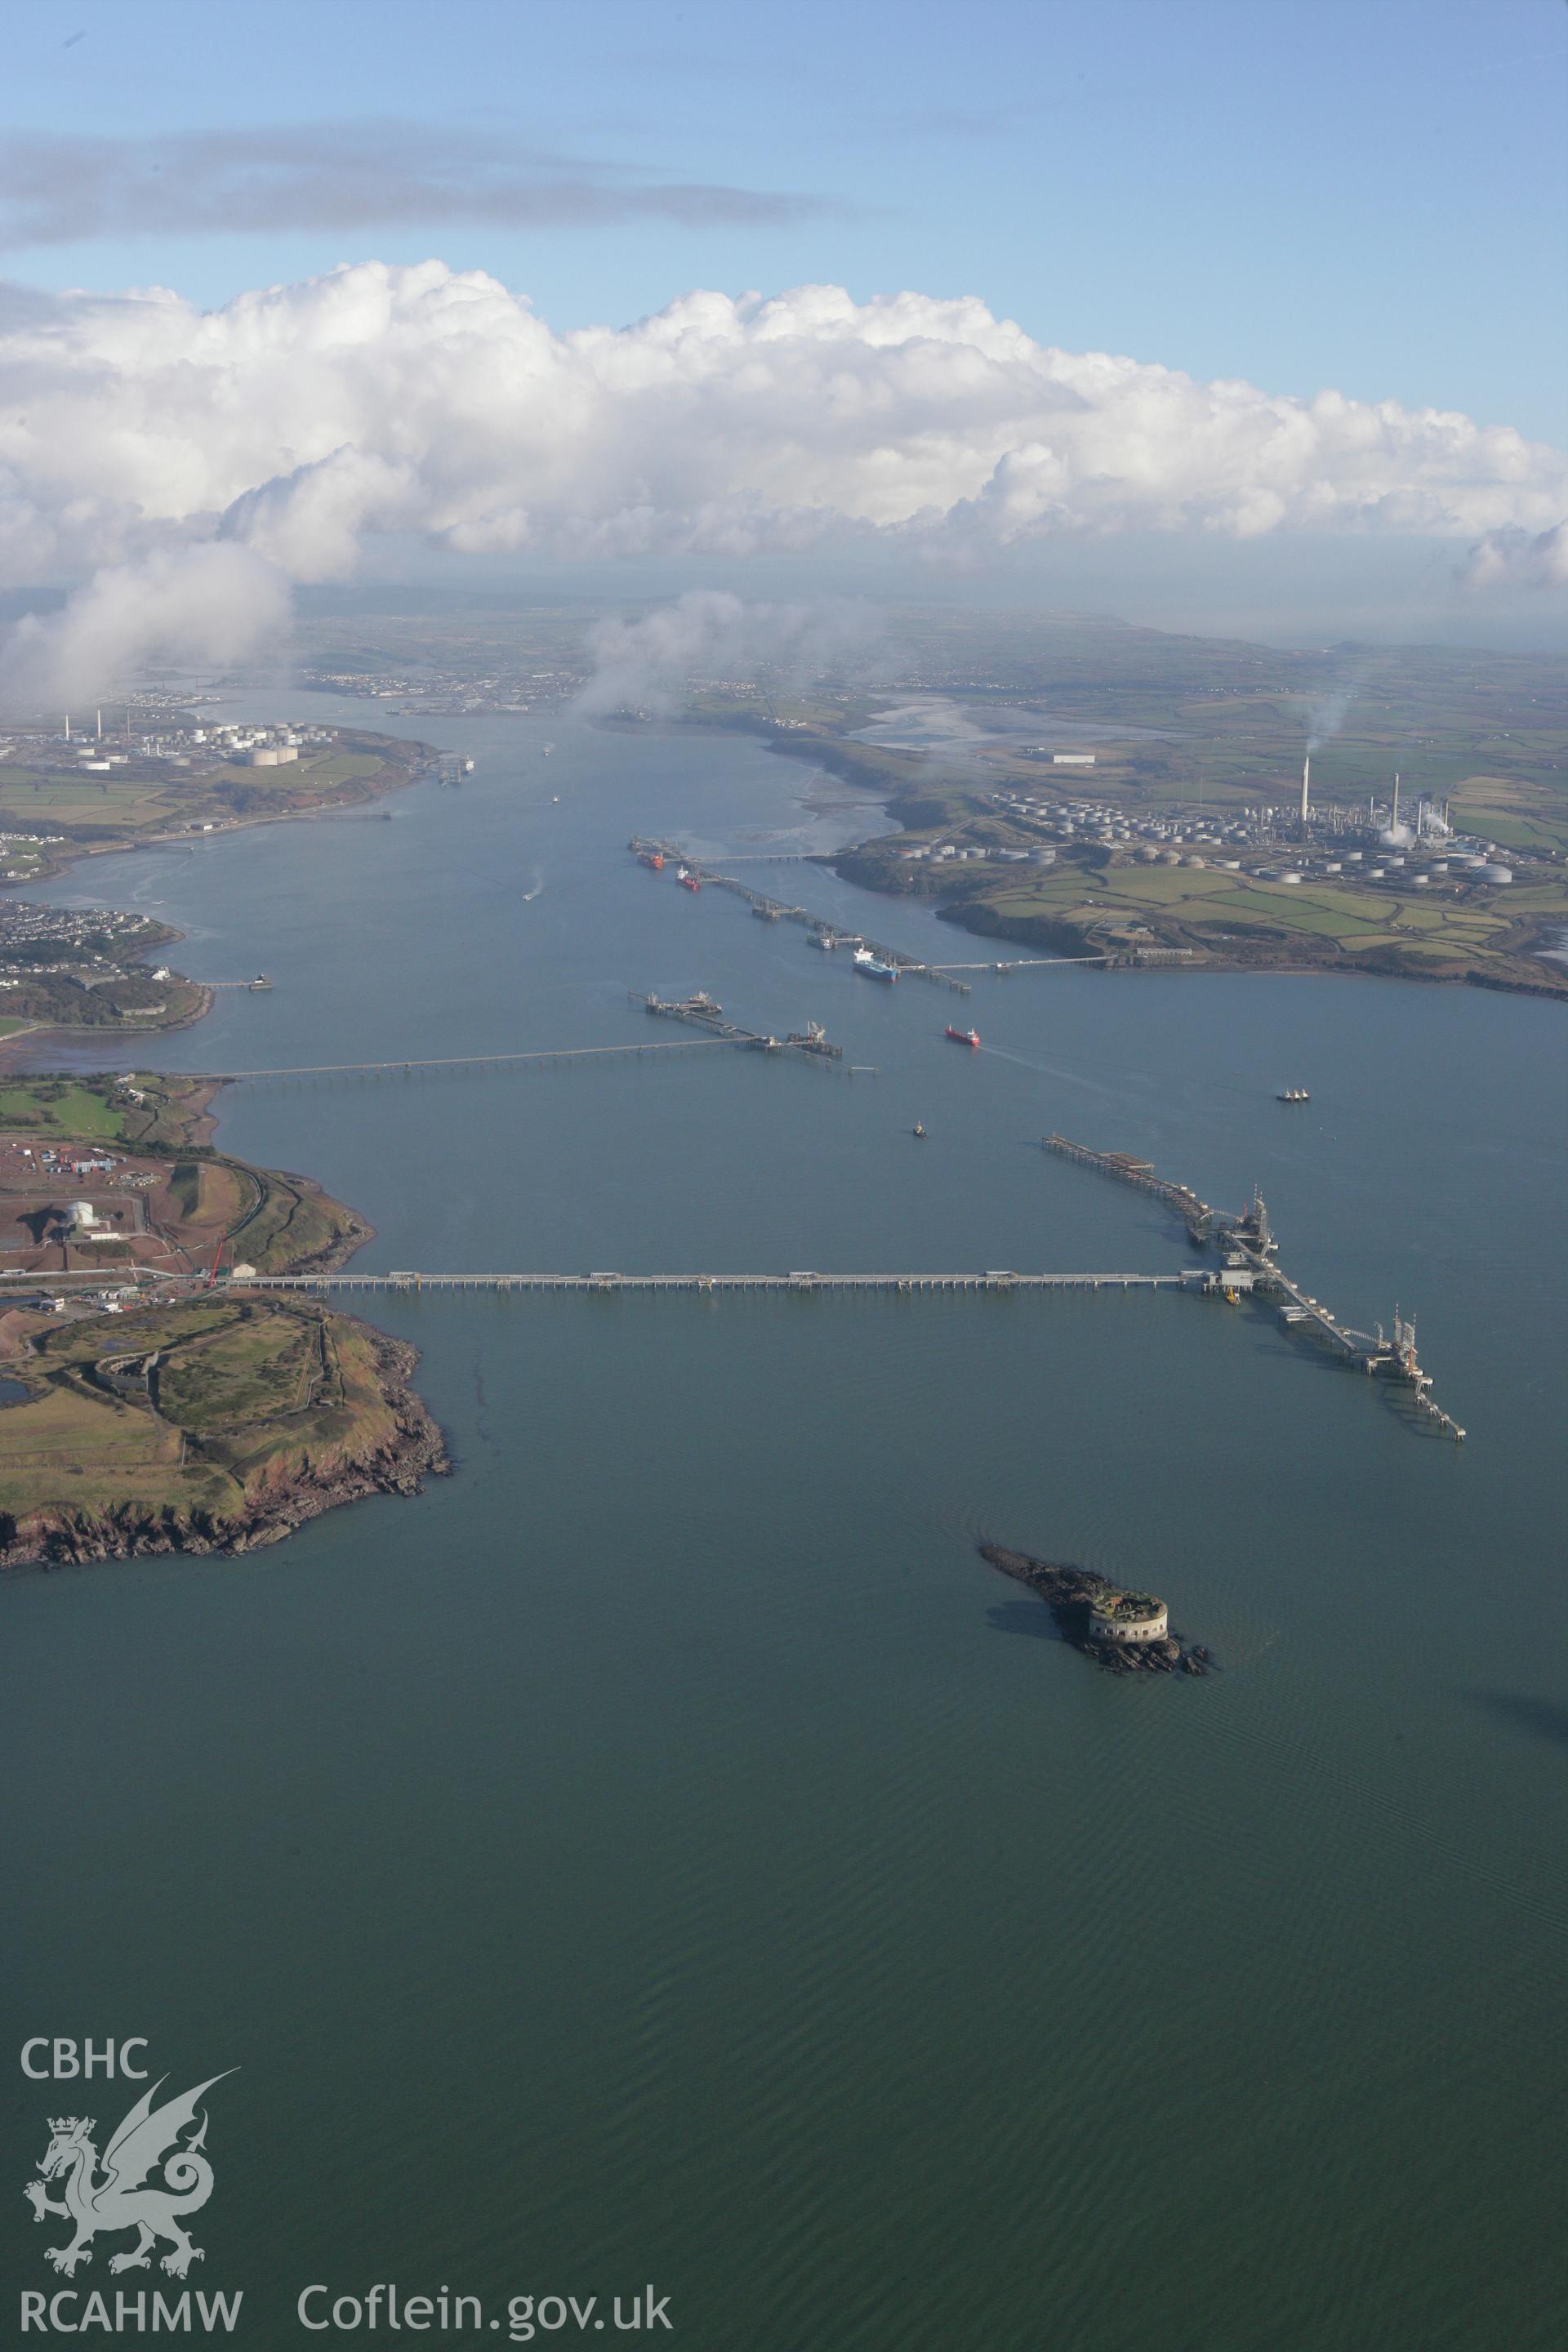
{"type": "Point", "coordinates": [204, 1420]}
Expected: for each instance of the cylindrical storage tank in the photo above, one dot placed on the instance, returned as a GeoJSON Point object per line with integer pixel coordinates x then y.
{"type": "Point", "coordinates": [1332, 866]}
{"type": "Point", "coordinates": [1291, 879]}
{"type": "Point", "coordinates": [1128, 1617]}
{"type": "Point", "coordinates": [1497, 873]}
{"type": "Point", "coordinates": [1421, 881]}
{"type": "Point", "coordinates": [82, 1212]}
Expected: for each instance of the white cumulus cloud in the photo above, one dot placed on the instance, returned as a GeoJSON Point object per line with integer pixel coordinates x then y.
{"type": "Point", "coordinates": [301, 421]}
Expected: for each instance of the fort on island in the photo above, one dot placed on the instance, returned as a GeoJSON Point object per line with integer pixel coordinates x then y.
{"type": "Point", "coordinates": [1127, 1617]}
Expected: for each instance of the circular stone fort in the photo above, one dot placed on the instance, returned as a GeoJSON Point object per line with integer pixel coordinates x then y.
{"type": "Point", "coordinates": [1127, 1617]}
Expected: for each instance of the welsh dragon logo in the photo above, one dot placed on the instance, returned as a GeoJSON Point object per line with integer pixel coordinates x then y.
{"type": "Point", "coordinates": [126, 2196]}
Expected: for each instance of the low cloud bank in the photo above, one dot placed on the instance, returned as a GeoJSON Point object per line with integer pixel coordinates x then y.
{"type": "Point", "coordinates": [1515, 559]}
{"type": "Point", "coordinates": [709, 634]}
{"type": "Point", "coordinates": [205, 604]}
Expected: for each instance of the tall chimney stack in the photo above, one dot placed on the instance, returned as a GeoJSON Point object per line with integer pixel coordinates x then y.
{"type": "Point", "coordinates": [1394, 821]}
{"type": "Point", "coordinates": [1305, 780]}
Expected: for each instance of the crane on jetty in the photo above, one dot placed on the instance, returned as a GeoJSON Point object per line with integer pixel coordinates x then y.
{"type": "Point", "coordinates": [1250, 1252]}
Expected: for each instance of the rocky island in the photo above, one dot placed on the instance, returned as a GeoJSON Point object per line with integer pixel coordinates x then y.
{"type": "Point", "coordinates": [1125, 1633]}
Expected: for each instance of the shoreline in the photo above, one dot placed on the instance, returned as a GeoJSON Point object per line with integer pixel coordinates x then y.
{"type": "Point", "coordinates": [364, 1430]}
{"type": "Point", "coordinates": [394, 776]}
{"type": "Point", "coordinates": [66, 1536]}
{"type": "Point", "coordinates": [900, 798]}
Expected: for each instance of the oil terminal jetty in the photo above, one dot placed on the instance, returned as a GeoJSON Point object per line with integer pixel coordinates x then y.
{"type": "Point", "coordinates": [1125, 1633]}
{"type": "Point", "coordinates": [705, 1012]}
{"type": "Point", "coordinates": [823, 933]}
{"type": "Point", "coordinates": [774, 910]}
{"type": "Point", "coordinates": [1249, 1263]}
{"type": "Point", "coordinates": [1248, 1248]}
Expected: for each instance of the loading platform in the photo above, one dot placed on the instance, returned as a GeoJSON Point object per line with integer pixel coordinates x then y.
{"type": "Point", "coordinates": [1249, 1252]}
{"type": "Point", "coordinates": [705, 1012]}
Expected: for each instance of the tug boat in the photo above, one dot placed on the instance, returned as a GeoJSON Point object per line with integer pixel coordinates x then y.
{"type": "Point", "coordinates": [873, 966]}
{"type": "Point", "coordinates": [964, 1036]}
{"type": "Point", "coordinates": [1293, 1095]}
{"type": "Point", "coordinates": [823, 940]}
{"type": "Point", "coordinates": [686, 879]}
{"type": "Point", "coordinates": [652, 857]}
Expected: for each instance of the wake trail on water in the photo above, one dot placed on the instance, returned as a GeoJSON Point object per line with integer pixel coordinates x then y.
{"type": "Point", "coordinates": [1054, 1070]}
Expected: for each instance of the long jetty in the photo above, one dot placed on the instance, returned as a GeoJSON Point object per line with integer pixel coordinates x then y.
{"type": "Point", "coordinates": [800, 1280]}
{"type": "Point", "coordinates": [1249, 1250]}
{"type": "Point", "coordinates": [484, 1061]}
{"type": "Point", "coordinates": [1196, 1214]}
{"type": "Point", "coordinates": [776, 910]}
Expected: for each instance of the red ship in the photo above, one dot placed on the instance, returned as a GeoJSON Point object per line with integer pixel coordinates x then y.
{"type": "Point", "coordinates": [653, 857]}
{"type": "Point", "coordinates": [687, 881]}
{"type": "Point", "coordinates": [964, 1036]}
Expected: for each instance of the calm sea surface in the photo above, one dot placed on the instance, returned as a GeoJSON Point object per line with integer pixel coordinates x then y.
{"type": "Point", "coordinates": [665, 1851]}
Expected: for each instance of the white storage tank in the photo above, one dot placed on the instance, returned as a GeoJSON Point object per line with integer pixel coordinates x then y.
{"type": "Point", "coordinates": [1497, 873]}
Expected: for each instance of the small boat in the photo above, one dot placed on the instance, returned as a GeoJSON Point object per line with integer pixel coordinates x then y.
{"type": "Point", "coordinates": [1293, 1095]}
{"type": "Point", "coordinates": [964, 1036]}
{"type": "Point", "coordinates": [873, 966]}
{"type": "Point", "coordinates": [823, 940]}
{"type": "Point", "coordinates": [918, 1130]}
{"type": "Point", "coordinates": [686, 879]}
{"type": "Point", "coordinates": [652, 858]}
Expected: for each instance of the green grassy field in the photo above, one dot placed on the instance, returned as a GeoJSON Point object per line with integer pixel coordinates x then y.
{"type": "Point", "coordinates": [244, 1394]}
{"type": "Point", "coordinates": [1237, 918]}
{"type": "Point", "coordinates": [130, 804]}
{"type": "Point", "coordinates": [83, 1110]}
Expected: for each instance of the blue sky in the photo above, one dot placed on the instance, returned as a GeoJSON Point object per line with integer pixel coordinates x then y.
{"type": "Point", "coordinates": [1369, 195]}
{"type": "Point", "coordinates": [1286, 200]}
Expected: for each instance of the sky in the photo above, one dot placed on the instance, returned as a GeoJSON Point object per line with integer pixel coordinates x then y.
{"type": "Point", "coordinates": [1254, 210]}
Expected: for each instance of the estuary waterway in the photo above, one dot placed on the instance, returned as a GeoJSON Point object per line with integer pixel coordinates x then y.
{"type": "Point", "coordinates": [665, 1851]}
